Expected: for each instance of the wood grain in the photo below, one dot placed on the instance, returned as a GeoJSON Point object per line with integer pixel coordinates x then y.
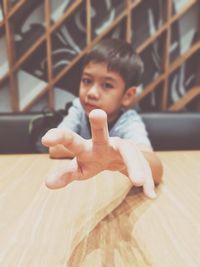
{"type": "Point", "coordinates": [92, 223]}
{"type": "Point", "coordinates": [41, 227]}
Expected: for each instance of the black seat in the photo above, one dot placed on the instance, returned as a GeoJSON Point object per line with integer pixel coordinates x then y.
{"type": "Point", "coordinates": [14, 133]}
{"type": "Point", "coordinates": [167, 131]}
{"type": "Point", "coordinates": [173, 131]}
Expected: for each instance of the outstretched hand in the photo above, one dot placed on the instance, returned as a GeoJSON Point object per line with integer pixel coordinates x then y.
{"type": "Point", "coordinates": [97, 154]}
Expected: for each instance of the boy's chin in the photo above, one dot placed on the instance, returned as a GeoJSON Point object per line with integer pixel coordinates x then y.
{"type": "Point", "coordinates": [87, 113]}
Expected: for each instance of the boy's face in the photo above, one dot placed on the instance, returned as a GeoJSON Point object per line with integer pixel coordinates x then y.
{"type": "Point", "coordinates": [101, 88]}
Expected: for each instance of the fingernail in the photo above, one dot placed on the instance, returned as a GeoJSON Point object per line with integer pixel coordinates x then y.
{"type": "Point", "coordinates": [152, 194]}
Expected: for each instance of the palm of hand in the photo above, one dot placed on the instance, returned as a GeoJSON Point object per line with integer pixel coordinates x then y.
{"type": "Point", "coordinates": [99, 157]}
{"type": "Point", "coordinates": [100, 153]}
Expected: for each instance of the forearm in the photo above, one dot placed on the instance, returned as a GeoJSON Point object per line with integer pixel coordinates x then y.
{"type": "Point", "coordinates": [59, 151]}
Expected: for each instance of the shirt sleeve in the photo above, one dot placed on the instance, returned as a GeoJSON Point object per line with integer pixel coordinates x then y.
{"type": "Point", "coordinates": [73, 119]}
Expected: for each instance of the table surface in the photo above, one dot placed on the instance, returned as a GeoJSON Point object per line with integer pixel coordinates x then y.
{"type": "Point", "coordinates": [99, 222]}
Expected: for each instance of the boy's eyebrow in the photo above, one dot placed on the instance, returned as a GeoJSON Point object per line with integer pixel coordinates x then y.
{"type": "Point", "coordinates": [110, 79]}
{"type": "Point", "coordinates": [107, 78]}
{"type": "Point", "coordinates": [86, 73]}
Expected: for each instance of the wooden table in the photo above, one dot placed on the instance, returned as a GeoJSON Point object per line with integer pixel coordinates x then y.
{"type": "Point", "coordinates": [85, 225]}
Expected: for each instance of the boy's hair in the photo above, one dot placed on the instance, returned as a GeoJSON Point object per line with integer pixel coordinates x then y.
{"type": "Point", "coordinates": [119, 57]}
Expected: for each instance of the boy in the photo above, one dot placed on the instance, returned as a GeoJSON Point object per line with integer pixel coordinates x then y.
{"type": "Point", "coordinates": [110, 74]}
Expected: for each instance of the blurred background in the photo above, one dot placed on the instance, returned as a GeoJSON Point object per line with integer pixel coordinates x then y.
{"type": "Point", "coordinates": [42, 43]}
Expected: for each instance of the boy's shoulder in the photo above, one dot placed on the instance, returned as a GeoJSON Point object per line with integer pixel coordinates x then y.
{"type": "Point", "coordinates": [130, 114]}
{"type": "Point", "coordinates": [76, 103]}
{"type": "Point", "coordinates": [131, 126]}
{"type": "Point", "coordinates": [76, 107]}
{"type": "Point", "coordinates": [128, 119]}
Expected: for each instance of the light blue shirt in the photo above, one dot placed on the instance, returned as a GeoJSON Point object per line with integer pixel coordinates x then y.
{"type": "Point", "coordinates": [128, 126]}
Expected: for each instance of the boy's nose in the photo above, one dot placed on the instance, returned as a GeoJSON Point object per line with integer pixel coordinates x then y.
{"type": "Point", "coordinates": [93, 91]}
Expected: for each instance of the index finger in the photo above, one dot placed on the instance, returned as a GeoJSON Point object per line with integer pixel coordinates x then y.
{"type": "Point", "coordinates": [99, 126]}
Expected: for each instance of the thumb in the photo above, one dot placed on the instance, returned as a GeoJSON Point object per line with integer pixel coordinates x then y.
{"type": "Point", "coordinates": [63, 174]}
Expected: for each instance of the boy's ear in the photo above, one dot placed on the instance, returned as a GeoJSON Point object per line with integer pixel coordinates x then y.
{"type": "Point", "coordinates": [129, 97]}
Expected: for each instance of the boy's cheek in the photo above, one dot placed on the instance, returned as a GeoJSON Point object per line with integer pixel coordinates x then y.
{"type": "Point", "coordinates": [82, 95]}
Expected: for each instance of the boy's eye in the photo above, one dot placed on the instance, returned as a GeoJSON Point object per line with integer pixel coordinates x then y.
{"type": "Point", "coordinates": [107, 85]}
{"type": "Point", "coordinates": [86, 81]}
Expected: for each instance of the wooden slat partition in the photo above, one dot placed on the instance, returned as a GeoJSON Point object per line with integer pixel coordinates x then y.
{"type": "Point", "coordinates": [51, 28]}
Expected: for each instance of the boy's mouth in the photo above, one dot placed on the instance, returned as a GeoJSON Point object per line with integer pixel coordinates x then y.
{"type": "Point", "coordinates": [90, 107]}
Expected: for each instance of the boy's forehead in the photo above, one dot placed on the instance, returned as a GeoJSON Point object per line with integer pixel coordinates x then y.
{"type": "Point", "coordinates": [100, 69]}
{"type": "Point", "coordinates": [94, 64]}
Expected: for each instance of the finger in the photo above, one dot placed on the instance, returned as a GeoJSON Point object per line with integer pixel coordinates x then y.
{"type": "Point", "coordinates": [99, 126]}
{"type": "Point", "coordinates": [69, 139]}
{"type": "Point", "coordinates": [138, 169]}
{"type": "Point", "coordinates": [149, 187]}
{"type": "Point", "coordinates": [63, 174]}
{"type": "Point", "coordinates": [135, 169]}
